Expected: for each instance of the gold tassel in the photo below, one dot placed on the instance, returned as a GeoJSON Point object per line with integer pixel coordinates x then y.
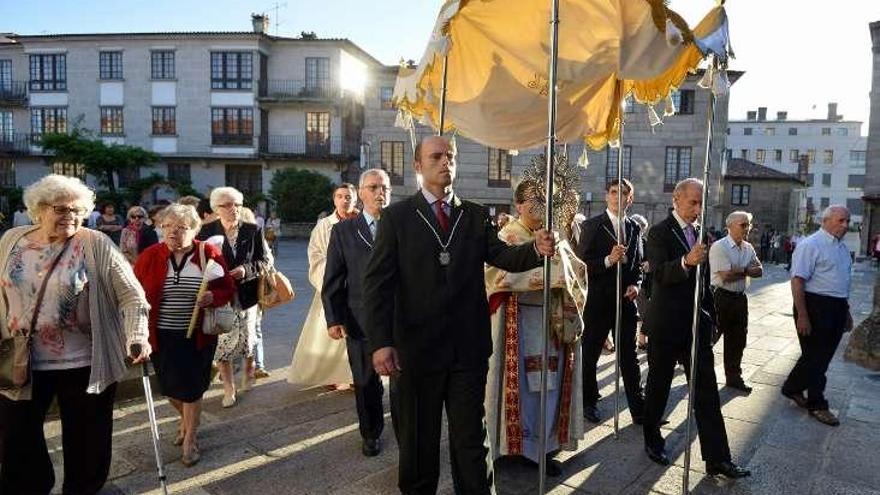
{"type": "Point", "coordinates": [706, 81]}
{"type": "Point", "coordinates": [669, 107]}
{"type": "Point", "coordinates": [653, 118]}
{"type": "Point", "coordinates": [584, 161]}
{"type": "Point", "coordinates": [722, 84]}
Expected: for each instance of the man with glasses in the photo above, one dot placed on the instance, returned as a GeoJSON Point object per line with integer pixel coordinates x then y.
{"type": "Point", "coordinates": [732, 261]}
{"type": "Point", "coordinates": [351, 244]}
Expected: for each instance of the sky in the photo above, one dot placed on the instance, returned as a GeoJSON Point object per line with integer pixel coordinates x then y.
{"type": "Point", "coordinates": [797, 55]}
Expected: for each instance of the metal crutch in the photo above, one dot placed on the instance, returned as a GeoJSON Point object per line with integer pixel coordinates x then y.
{"type": "Point", "coordinates": [154, 424]}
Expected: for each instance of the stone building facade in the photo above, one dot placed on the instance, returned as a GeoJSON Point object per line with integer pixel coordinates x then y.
{"type": "Point", "coordinates": [775, 199]}
{"type": "Point", "coordinates": [872, 168]}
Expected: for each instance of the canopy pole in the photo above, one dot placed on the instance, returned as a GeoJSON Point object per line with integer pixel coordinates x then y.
{"type": "Point", "coordinates": [698, 286]}
{"type": "Point", "coordinates": [548, 224]}
{"type": "Point", "coordinates": [443, 97]}
{"type": "Point", "coordinates": [618, 315]}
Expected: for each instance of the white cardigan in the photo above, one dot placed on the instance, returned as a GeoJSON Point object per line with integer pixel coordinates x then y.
{"type": "Point", "coordinates": [118, 307]}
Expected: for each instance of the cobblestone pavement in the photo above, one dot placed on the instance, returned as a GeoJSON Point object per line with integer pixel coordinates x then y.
{"type": "Point", "coordinates": [280, 441]}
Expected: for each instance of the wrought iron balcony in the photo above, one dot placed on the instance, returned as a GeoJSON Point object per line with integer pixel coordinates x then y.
{"type": "Point", "coordinates": [300, 146]}
{"type": "Point", "coordinates": [16, 143]}
{"type": "Point", "coordinates": [298, 90]}
{"type": "Point", "coordinates": [13, 91]}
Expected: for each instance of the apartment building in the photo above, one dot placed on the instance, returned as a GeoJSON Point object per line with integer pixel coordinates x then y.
{"type": "Point", "coordinates": [220, 108]}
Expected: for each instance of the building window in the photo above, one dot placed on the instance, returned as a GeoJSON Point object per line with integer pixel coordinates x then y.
{"type": "Point", "coordinates": [179, 173]}
{"type": "Point", "coordinates": [317, 132]}
{"type": "Point", "coordinates": [246, 178]}
{"type": "Point", "coordinates": [6, 128]}
{"type": "Point", "coordinates": [77, 170]}
{"type": "Point", "coordinates": [770, 131]}
{"type": "Point", "coordinates": [129, 175]}
{"type": "Point", "coordinates": [777, 156]}
{"type": "Point", "coordinates": [684, 101]}
{"type": "Point", "coordinates": [811, 157]}
{"type": "Point", "coordinates": [759, 156]}
{"type": "Point", "coordinates": [232, 126]}
{"type": "Point", "coordinates": [856, 181]}
{"type": "Point", "coordinates": [629, 105]}
{"type": "Point", "coordinates": [747, 131]}
{"type": "Point", "coordinates": [842, 131]}
{"type": "Point", "coordinates": [7, 173]}
{"type": "Point", "coordinates": [500, 165]}
{"type": "Point", "coordinates": [792, 131]}
{"type": "Point", "coordinates": [828, 157]}
{"type": "Point", "coordinates": [48, 72]}
{"type": "Point", "coordinates": [855, 206]}
{"type": "Point", "coordinates": [317, 74]}
{"type": "Point", "coordinates": [811, 180]}
{"type": "Point", "coordinates": [391, 156]}
{"type": "Point", "coordinates": [162, 64]}
{"type": "Point", "coordinates": [48, 120]}
{"type": "Point", "coordinates": [110, 65]}
{"type": "Point", "coordinates": [164, 121]}
{"type": "Point", "coordinates": [112, 123]}
{"type": "Point", "coordinates": [232, 70]}
{"type": "Point", "coordinates": [678, 166]}
{"type": "Point", "coordinates": [729, 153]}
{"type": "Point", "coordinates": [385, 98]}
{"type": "Point", "coordinates": [739, 194]}
{"type": "Point", "coordinates": [824, 202]}
{"type": "Point", "coordinates": [612, 159]}
{"type": "Point", "coordinates": [858, 157]}
{"type": "Point", "coordinates": [744, 154]}
{"type": "Point", "coordinates": [826, 180]}
{"type": "Point", "coordinates": [794, 156]}
{"type": "Point", "coordinates": [5, 74]}
{"type": "Point", "coordinates": [826, 131]}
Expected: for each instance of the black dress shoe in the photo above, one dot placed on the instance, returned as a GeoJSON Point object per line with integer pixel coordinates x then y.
{"type": "Point", "coordinates": [657, 455]}
{"type": "Point", "coordinates": [797, 397]}
{"type": "Point", "coordinates": [727, 469]}
{"type": "Point", "coordinates": [591, 414]}
{"type": "Point", "coordinates": [739, 385]}
{"type": "Point", "coordinates": [553, 467]}
{"type": "Point", "coordinates": [372, 447]}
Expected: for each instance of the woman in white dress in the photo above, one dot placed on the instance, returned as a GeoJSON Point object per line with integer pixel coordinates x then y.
{"type": "Point", "coordinates": [318, 359]}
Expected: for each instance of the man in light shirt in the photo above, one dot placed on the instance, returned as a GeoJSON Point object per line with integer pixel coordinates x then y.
{"type": "Point", "coordinates": [732, 260]}
{"type": "Point", "coordinates": [820, 283]}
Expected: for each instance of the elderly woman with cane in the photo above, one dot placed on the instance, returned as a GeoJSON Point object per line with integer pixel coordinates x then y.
{"type": "Point", "coordinates": [73, 306]}
{"type": "Point", "coordinates": [172, 273]}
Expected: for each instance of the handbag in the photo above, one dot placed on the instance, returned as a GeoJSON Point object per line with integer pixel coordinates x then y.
{"type": "Point", "coordinates": [215, 321]}
{"type": "Point", "coordinates": [15, 351]}
{"type": "Point", "coordinates": [275, 289]}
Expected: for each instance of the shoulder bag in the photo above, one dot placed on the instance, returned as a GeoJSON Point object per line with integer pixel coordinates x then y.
{"type": "Point", "coordinates": [218, 320]}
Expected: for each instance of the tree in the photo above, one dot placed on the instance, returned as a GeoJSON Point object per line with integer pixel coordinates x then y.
{"type": "Point", "coordinates": [300, 195]}
{"type": "Point", "coordinates": [100, 160]}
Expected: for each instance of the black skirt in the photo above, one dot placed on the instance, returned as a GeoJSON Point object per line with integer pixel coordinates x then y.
{"type": "Point", "coordinates": [184, 372]}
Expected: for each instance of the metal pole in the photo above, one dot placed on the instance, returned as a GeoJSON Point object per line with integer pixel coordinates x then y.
{"type": "Point", "coordinates": [443, 97]}
{"type": "Point", "coordinates": [548, 223]}
{"type": "Point", "coordinates": [698, 290]}
{"type": "Point", "coordinates": [618, 315]}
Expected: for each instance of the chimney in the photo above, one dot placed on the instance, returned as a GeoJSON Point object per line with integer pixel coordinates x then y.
{"type": "Point", "coordinates": [762, 113]}
{"type": "Point", "coordinates": [260, 23]}
{"type": "Point", "coordinates": [832, 112]}
{"type": "Point", "coordinates": [750, 115]}
{"type": "Point", "coordinates": [781, 115]}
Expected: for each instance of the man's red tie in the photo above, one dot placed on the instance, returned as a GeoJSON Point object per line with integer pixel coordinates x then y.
{"type": "Point", "coordinates": [442, 217]}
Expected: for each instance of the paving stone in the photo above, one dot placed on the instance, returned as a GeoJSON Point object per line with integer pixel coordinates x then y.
{"type": "Point", "coordinates": [777, 471]}
{"type": "Point", "coordinates": [825, 485]}
{"type": "Point", "coordinates": [843, 460]}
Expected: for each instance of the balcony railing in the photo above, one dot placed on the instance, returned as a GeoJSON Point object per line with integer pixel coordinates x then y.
{"type": "Point", "coordinates": [16, 142]}
{"type": "Point", "coordinates": [300, 146]}
{"type": "Point", "coordinates": [13, 91]}
{"type": "Point", "coordinates": [298, 89]}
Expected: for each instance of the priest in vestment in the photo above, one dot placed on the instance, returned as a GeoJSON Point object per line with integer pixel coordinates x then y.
{"type": "Point", "coordinates": [513, 390]}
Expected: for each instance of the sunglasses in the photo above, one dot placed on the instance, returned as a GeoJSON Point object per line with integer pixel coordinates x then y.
{"type": "Point", "coordinates": [136, 216]}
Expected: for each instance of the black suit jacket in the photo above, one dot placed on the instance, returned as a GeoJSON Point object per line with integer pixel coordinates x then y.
{"type": "Point", "coordinates": [342, 292]}
{"type": "Point", "coordinates": [672, 295]}
{"type": "Point", "coordinates": [436, 317]}
{"type": "Point", "coordinates": [597, 240]}
{"type": "Point", "coordinates": [249, 253]}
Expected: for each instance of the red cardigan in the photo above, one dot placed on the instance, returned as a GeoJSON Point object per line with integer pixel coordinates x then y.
{"type": "Point", "coordinates": [151, 269]}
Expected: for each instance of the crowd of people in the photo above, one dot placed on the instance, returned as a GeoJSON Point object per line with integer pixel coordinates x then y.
{"type": "Point", "coordinates": [427, 291]}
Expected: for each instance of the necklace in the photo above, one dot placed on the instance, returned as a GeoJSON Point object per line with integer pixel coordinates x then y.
{"type": "Point", "coordinates": [444, 257]}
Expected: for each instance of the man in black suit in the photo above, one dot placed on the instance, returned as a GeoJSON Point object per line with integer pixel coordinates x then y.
{"type": "Point", "coordinates": [427, 321]}
{"type": "Point", "coordinates": [600, 249]}
{"type": "Point", "coordinates": [674, 253]}
{"type": "Point", "coordinates": [350, 247]}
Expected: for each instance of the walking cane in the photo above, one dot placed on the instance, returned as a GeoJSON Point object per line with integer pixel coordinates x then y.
{"type": "Point", "coordinates": [698, 290]}
{"type": "Point", "coordinates": [154, 425]}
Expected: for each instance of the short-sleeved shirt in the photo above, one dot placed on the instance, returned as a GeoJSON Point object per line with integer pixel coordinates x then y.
{"type": "Point", "coordinates": [725, 255]}
{"type": "Point", "coordinates": [823, 261]}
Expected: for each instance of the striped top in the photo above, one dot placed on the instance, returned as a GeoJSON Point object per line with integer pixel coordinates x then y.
{"type": "Point", "coordinates": [179, 296]}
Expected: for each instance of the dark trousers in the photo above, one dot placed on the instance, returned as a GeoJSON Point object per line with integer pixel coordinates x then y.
{"type": "Point", "coordinates": [828, 321]}
{"type": "Point", "coordinates": [368, 389]}
{"type": "Point", "coordinates": [732, 310]}
{"type": "Point", "coordinates": [598, 325]}
{"type": "Point", "coordinates": [86, 429]}
{"type": "Point", "coordinates": [662, 358]}
{"type": "Point", "coordinates": [417, 400]}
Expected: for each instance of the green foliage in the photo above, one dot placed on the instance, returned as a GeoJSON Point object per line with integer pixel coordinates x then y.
{"type": "Point", "coordinates": [300, 195]}
{"type": "Point", "coordinates": [100, 160]}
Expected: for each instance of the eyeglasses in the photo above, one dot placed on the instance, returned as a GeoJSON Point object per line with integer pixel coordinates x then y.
{"type": "Point", "coordinates": [229, 206]}
{"type": "Point", "coordinates": [77, 211]}
{"type": "Point", "coordinates": [745, 225]}
{"type": "Point", "coordinates": [174, 228]}
{"type": "Point", "coordinates": [375, 187]}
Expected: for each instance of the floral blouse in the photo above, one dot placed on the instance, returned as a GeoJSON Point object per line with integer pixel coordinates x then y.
{"type": "Point", "coordinates": [58, 341]}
